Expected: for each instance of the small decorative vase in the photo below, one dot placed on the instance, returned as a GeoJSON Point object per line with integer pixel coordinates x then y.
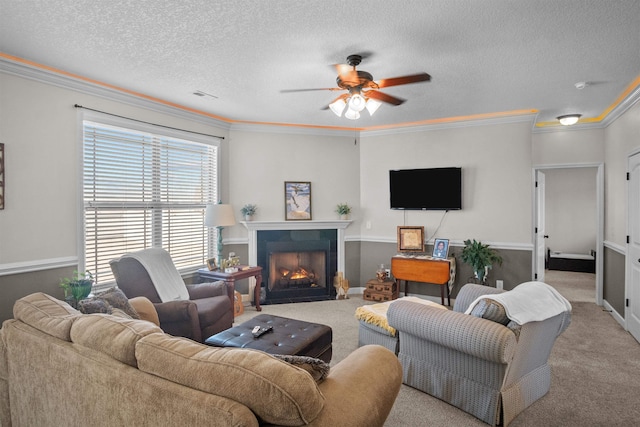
{"type": "Point", "coordinates": [381, 273]}
{"type": "Point", "coordinates": [344, 216]}
{"type": "Point", "coordinates": [481, 275]}
{"type": "Point", "coordinates": [248, 217]}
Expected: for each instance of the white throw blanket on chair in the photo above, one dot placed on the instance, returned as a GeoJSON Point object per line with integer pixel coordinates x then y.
{"type": "Point", "coordinates": [529, 302]}
{"type": "Point", "coordinates": [163, 274]}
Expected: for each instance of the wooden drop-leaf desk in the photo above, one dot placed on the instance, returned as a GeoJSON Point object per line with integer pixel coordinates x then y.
{"type": "Point", "coordinates": [423, 270]}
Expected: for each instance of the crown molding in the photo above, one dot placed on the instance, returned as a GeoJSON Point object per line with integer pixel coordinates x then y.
{"type": "Point", "coordinates": [68, 82]}
{"type": "Point", "coordinates": [522, 118]}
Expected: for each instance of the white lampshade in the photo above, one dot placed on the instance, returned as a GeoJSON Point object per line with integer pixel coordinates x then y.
{"type": "Point", "coordinates": [357, 102]}
{"type": "Point", "coordinates": [219, 216]}
{"type": "Point", "coordinates": [338, 107]}
{"type": "Point", "coordinates": [373, 105]}
{"type": "Point", "coordinates": [351, 114]}
{"type": "Point", "coordinates": [569, 119]}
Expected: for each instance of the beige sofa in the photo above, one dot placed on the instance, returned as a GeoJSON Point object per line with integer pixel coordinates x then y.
{"type": "Point", "coordinates": [60, 367]}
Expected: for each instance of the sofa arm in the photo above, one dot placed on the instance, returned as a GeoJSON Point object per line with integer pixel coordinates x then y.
{"type": "Point", "coordinates": [361, 389]}
{"type": "Point", "coordinates": [481, 338]}
{"type": "Point", "coordinates": [206, 290]}
{"type": "Point", "coordinates": [180, 318]}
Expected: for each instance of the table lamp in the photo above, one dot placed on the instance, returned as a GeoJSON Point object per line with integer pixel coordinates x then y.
{"type": "Point", "coordinates": [219, 216]}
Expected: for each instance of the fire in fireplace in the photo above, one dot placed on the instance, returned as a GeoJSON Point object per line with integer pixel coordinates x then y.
{"type": "Point", "coordinates": [297, 270]}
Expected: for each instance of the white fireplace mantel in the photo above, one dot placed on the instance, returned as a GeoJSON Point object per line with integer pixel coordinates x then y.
{"type": "Point", "coordinates": [255, 226]}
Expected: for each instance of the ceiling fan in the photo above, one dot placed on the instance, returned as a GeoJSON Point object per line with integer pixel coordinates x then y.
{"type": "Point", "coordinates": [362, 89]}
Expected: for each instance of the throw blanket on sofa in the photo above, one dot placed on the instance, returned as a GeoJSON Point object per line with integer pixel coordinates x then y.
{"type": "Point", "coordinates": [376, 314]}
{"type": "Point", "coordinates": [163, 274]}
{"type": "Point", "coordinates": [529, 302]}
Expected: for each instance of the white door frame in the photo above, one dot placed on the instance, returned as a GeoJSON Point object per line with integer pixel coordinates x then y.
{"type": "Point", "coordinates": [599, 219]}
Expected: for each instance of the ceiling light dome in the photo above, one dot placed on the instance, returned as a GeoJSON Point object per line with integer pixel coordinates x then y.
{"type": "Point", "coordinates": [569, 119]}
{"type": "Point", "coordinates": [357, 103]}
{"type": "Point", "coordinates": [338, 107]}
{"type": "Point", "coordinates": [352, 114]}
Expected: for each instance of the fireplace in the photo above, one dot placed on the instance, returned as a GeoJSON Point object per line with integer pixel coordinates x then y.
{"type": "Point", "coordinates": [297, 265]}
{"type": "Point", "coordinates": [315, 246]}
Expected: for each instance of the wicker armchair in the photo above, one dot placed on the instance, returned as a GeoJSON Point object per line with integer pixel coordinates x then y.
{"type": "Point", "coordinates": [475, 364]}
{"type": "Point", "coordinates": [203, 310]}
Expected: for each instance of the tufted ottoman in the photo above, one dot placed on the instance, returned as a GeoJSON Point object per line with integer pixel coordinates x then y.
{"type": "Point", "coordinates": [289, 336]}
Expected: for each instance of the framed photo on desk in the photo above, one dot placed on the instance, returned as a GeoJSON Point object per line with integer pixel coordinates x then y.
{"type": "Point", "coordinates": [410, 239]}
{"type": "Point", "coordinates": [441, 248]}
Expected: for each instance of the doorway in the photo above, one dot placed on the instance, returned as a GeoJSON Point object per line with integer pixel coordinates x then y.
{"type": "Point", "coordinates": [542, 223]}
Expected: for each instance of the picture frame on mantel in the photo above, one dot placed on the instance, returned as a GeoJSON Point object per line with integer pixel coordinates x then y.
{"type": "Point", "coordinates": [297, 200]}
{"type": "Point", "coordinates": [410, 238]}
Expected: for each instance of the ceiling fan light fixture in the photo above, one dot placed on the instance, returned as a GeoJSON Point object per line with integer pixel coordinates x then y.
{"type": "Point", "coordinates": [569, 119]}
{"type": "Point", "coordinates": [338, 107]}
{"type": "Point", "coordinates": [352, 114]}
{"type": "Point", "coordinates": [372, 106]}
{"type": "Point", "coordinates": [357, 102]}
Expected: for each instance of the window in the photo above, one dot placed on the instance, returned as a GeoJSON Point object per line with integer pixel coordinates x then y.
{"type": "Point", "coordinates": [142, 188]}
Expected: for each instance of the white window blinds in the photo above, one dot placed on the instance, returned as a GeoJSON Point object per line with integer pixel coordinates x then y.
{"type": "Point", "coordinates": [142, 190]}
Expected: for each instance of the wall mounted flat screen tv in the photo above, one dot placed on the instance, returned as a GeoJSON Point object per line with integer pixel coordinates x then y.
{"type": "Point", "coordinates": [426, 189]}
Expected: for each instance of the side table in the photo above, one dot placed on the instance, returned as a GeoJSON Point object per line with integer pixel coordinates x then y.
{"type": "Point", "coordinates": [243, 272]}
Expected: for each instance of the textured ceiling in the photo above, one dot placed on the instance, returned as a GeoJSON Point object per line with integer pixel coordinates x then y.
{"type": "Point", "coordinates": [485, 57]}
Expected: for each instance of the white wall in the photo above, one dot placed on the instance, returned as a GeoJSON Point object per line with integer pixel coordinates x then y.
{"type": "Point", "coordinates": [260, 162]}
{"type": "Point", "coordinates": [39, 127]}
{"type": "Point", "coordinates": [496, 167]}
{"type": "Point", "coordinates": [568, 146]}
{"type": "Point", "coordinates": [623, 138]}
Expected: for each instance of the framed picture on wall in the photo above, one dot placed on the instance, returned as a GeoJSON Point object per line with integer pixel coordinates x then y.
{"type": "Point", "coordinates": [410, 239]}
{"type": "Point", "coordinates": [297, 200]}
{"type": "Point", "coordinates": [441, 248]}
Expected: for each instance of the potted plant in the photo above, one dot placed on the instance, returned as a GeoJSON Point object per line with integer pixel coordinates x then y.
{"type": "Point", "coordinates": [343, 210]}
{"type": "Point", "coordinates": [480, 257]}
{"type": "Point", "coordinates": [249, 210]}
{"type": "Point", "coordinates": [77, 287]}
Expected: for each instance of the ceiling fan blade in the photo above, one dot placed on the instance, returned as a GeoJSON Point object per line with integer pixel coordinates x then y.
{"type": "Point", "coordinates": [309, 90]}
{"type": "Point", "coordinates": [397, 81]}
{"type": "Point", "coordinates": [383, 97]}
{"type": "Point", "coordinates": [343, 96]}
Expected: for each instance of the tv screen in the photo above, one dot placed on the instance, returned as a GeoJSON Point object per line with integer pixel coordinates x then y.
{"type": "Point", "coordinates": [426, 189]}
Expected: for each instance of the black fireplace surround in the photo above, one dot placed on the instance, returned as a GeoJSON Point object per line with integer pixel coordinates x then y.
{"type": "Point", "coordinates": [318, 242]}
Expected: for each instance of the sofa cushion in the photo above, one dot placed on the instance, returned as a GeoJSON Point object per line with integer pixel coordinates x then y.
{"type": "Point", "coordinates": [145, 309]}
{"type": "Point", "coordinates": [277, 392]}
{"type": "Point", "coordinates": [113, 335]}
{"type": "Point", "coordinates": [106, 301]}
{"type": "Point", "coordinates": [491, 310]}
{"type": "Point", "coordinates": [319, 369]}
{"type": "Point", "coordinates": [47, 314]}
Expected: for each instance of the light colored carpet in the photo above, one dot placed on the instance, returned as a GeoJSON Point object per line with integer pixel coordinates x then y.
{"type": "Point", "coordinates": [595, 364]}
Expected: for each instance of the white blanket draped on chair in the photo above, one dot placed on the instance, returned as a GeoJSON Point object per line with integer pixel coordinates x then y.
{"type": "Point", "coordinates": [529, 302]}
{"type": "Point", "coordinates": [163, 273]}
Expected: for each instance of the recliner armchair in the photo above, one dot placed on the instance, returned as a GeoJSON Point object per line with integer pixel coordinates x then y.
{"type": "Point", "coordinates": [481, 366]}
{"type": "Point", "coordinates": [191, 311]}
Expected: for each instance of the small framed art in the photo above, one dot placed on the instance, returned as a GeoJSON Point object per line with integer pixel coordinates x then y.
{"type": "Point", "coordinates": [211, 264]}
{"type": "Point", "coordinates": [297, 200]}
{"type": "Point", "coordinates": [410, 239]}
{"type": "Point", "coordinates": [441, 248]}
